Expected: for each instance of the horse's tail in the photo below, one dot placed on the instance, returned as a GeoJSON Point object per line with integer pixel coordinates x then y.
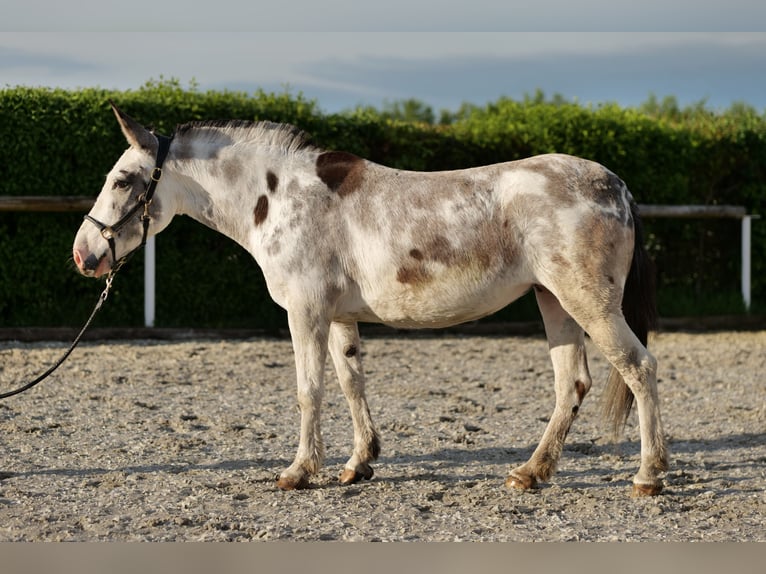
{"type": "Point", "coordinates": [639, 307]}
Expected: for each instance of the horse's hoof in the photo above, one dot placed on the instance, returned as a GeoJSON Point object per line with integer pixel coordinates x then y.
{"type": "Point", "coordinates": [290, 483]}
{"type": "Point", "coordinates": [521, 482]}
{"type": "Point", "coordinates": [351, 476]}
{"type": "Point", "coordinates": [646, 490]}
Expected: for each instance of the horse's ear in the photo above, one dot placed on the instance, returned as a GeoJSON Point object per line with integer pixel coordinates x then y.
{"type": "Point", "coordinates": [136, 134]}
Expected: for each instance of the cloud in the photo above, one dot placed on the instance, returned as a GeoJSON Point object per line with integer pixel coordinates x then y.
{"type": "Point", "coordinates": [719, 72]}
{"type": "Point", "coordinates": [393, 15]}
{"type": "Point", "coordinates": [441, 69]}
{"type": "Point", "coordinates": [17, 60]}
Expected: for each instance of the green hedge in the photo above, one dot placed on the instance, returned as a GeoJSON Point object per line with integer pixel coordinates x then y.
{"type": "Point", "coordinates": [56, 142]}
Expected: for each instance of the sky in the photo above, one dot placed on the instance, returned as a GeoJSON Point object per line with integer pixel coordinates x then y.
{"type": "Point", "coordinates": [345, 54]}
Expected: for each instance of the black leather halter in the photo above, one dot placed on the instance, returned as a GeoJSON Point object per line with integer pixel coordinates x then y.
{"type": "Point", "coordinates": [108, 232]}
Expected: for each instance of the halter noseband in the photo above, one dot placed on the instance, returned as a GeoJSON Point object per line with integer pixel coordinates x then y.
{"type": "Point", "coordinates": [108, 232]}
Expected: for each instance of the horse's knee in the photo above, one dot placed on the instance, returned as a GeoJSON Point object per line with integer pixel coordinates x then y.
{"type": "Point", "coordinates": [309, 397]}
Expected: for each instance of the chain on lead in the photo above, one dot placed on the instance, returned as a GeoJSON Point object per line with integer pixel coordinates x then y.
{"type": "Point", "coordinates": [110, 277]}
{"type": "Point", "coordinates": [107, 288]}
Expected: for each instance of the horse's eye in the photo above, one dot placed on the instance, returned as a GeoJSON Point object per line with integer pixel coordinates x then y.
{"type": "Point", "coordinates": [121, 184]}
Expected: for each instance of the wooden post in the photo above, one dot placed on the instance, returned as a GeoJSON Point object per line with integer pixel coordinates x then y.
{"type": "Point", "coordinates": [59, 203]}
{"type": "Point", "coordinates": [692, 211]}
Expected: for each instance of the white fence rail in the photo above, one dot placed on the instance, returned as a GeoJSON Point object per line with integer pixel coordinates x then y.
{"type": "Point", "coordinates": [83, 204]}
{"type": "Point", "coordinates": [714, 211]}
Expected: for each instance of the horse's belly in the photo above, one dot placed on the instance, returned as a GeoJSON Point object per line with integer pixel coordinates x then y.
{"type": "Point", "coordinates": [435, 304]}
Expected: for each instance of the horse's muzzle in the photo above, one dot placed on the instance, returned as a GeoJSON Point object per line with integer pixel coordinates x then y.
{"type": "Point", "coordinates": [90, 264]}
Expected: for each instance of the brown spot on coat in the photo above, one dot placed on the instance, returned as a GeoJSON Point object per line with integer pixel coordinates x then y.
{"type": "Point", "coordinates": [439, 249]}
{"type": "Point", "coordinates": [416, 254]}
{"type": "Point", "coordinates": [581, 390]}
{"type": "Point", "coordinates": [350, 351]}
{"type": "Point", "coordinates": [261, 210]}
{"type": "Point", "coordinates": [341, 171]}
{"type": "Point", "coordinates": [416, 275]}
{"type": "Point", "coordinates": [272, 181]}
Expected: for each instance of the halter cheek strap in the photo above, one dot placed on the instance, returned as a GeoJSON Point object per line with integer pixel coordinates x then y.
{"type": "Point", "coordinates": [108, 232]}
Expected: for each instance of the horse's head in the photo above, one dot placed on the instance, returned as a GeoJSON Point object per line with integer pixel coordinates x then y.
{"type": "Point", "coordinates": [127, 210]}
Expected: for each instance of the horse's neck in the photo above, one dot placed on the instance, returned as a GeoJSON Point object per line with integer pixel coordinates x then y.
{"type": "Point", "coordinates": [222, 194]}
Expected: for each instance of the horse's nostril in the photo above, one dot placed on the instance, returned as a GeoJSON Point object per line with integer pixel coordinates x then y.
{"type": "Point", "coordinates": [91, 262]}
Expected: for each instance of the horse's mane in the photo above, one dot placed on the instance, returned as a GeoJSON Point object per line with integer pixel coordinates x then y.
{"type": "Point", "coordinates": [286, 137]}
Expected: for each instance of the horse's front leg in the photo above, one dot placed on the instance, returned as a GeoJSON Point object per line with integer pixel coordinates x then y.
{"type": "Point", "coordinates": [309, 334]}
{"type": "Point", "coordinates": [346, 354]}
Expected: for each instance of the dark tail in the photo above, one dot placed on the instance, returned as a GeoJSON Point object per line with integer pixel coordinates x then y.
{"type": "Point", "coordinates": [639, 307]}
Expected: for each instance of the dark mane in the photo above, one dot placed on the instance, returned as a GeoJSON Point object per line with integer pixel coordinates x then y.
{"type": "Point", "coordinates": [285, 136]}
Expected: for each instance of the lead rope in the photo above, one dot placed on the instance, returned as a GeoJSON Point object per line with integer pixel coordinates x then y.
{"type": "Point", "coordinates": [46, 374]}
{"type": "Point", "coordinates": [96, 308]}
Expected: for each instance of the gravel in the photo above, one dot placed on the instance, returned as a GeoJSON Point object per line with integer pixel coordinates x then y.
{"type": "Point", "coordinates": [147, 440]}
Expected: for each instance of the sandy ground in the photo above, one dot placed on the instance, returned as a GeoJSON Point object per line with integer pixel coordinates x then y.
{"type": "Point", "coordinates": [182, 441]}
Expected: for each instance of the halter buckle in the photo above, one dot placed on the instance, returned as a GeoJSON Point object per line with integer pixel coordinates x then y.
{"type": "Point", "coordinates": [156, 174]}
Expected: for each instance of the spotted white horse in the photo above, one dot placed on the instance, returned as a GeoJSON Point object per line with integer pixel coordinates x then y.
{"type": "Point", "coordinates": [341, 239]}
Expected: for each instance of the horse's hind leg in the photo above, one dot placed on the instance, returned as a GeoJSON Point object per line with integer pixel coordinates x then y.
{"type": "Point", "coordinates": [346, 354]}
{"type": "Point", "coordinates": [572, 382]}
{"type": "Point", "coordinates": [638, 369]}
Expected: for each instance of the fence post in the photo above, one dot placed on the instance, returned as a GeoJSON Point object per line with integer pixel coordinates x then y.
{"type": "Point", "coordinates": [149, 281]}
{"type": "Point", "coordinates": [746, 261]}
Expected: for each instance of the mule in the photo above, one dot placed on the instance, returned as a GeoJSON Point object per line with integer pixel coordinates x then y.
{"type": "Point", "coordinates": [341, 239]}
